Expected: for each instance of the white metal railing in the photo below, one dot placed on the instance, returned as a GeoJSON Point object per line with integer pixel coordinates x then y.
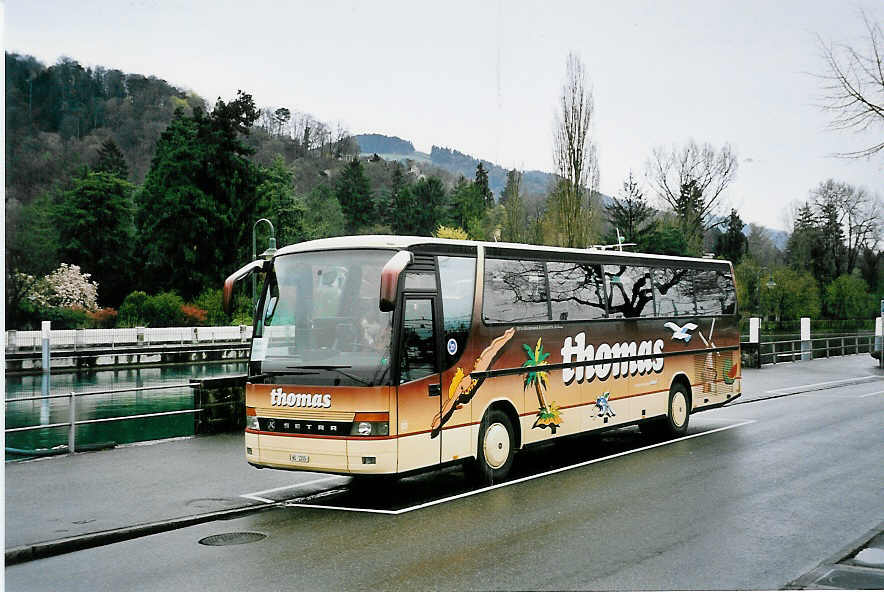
{"type": "Point", "coordinates": [86, 338]}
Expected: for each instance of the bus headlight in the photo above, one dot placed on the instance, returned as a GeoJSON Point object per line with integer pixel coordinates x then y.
{"type": "Point", "coordinates": [251, 419]}
{"type": "Point", "coordinates": [371, 424]}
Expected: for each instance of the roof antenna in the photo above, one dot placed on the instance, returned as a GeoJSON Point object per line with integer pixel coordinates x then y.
{"type": "Point", "coordinates": [619, 246]}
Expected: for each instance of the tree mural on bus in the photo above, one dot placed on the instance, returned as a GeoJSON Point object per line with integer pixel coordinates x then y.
{"type": "Point", "coordinates": [548, 416]}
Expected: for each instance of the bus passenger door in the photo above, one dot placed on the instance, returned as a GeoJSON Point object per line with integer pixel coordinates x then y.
{"type": "Point", "coordinates": [420, 383]}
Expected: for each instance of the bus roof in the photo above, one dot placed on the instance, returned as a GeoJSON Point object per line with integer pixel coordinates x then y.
{"type": "Point", "coordinates": [383, 241]}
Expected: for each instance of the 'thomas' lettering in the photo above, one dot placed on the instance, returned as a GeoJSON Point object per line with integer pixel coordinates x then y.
{"type": "Point", "coordinates": [281, 399]}
{"type": "Point", "coordinates": [576, 350]}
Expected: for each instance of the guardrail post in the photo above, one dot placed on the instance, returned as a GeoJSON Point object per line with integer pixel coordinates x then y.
{"type": "Point", "coordinates": [755, 339]}
{"type": "Point", "coordinates": [11, 338]}
{"type": "Point", "coordinates": [139, 335]}
{"type": "Point", "coordinates": [806, 353]}
{"type": "Point", "coordinates": [879, 336]}
{"type": "Point", "coordinates": [242, 334]}
{"type": "Point", "coordinates": [195, 335]}
{"type": "Point", "coordinates": [72, 415]}
{"type": "Point", "coordinates": [46, 371]}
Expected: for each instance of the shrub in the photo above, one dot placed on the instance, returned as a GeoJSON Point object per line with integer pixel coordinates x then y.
{"type": "Point", "coordinates": [161, 310]}
{"type": "Point", "coordinates": [450, 232]}
{"type": "Point", "coordinates": [65, 318]}
{"type": "Point", "coordinates": [210, 302]}
{"type": "Point", "coordinates": [65, 287]}
{"type": "Point", "coordinates": [164, 310]}
{"type": "Point", "coordinates": [193, 315]}
{"type": "Point", "coordinates": [103, 318]}
{"type": "Point", "coordinates": [131, 312]}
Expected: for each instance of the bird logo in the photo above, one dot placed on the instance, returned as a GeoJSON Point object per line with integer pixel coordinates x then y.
{"type": "Point", "coordinates": [681, 333]}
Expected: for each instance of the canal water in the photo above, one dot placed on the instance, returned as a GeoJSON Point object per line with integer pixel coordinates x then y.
{"type": "Point", "coordinates": [122, 402]}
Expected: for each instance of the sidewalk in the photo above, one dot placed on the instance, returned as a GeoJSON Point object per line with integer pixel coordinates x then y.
{"type": "Point", "coordinates": [69, 496]}
{"type": "Point", "coordinates": [150, 485]}
{"type": "Point", "coordinates": [794, 377]}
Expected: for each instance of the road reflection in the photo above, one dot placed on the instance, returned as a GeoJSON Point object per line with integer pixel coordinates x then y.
{"type": "Point", "coordinates": [389, 495]}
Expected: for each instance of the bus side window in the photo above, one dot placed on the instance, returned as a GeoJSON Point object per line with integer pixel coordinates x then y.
{"type": "Point", "coordinates": [576, 291]}
{"type": "Point", "coordinates": [418, 354]}
{"type": "Point", "coordinates": [707, 292]}
{"type": "Point", "coordinates": [674, 292]}
{"type": "Point", "coordinates": [515, 291]}
{"type": "Point", "coordinates": [630, 293]}
{"type": "Point", "coordinates": [726, 291]}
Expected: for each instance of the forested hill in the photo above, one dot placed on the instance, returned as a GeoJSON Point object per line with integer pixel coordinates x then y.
{"type": "Point", "coordinates": [534, 183]}
{"type": "Point", "coordinates": [58, 116]}
{"type": "Point", "coordinates": [381, 144]}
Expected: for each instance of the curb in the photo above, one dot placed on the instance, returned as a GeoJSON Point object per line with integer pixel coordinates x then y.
{"type": "Point", "coordinates": [787, 391]}
{"type": "Point", "coordinates": [808, 579]}
{"type": "Point", "coordinates": [25, 553]}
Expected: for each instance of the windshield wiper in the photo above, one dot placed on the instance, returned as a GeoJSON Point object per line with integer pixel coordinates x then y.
{"type": "Point", "coordinates": [336, 368]}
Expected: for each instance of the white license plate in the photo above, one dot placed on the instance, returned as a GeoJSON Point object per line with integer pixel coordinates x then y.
{"type": "Point", "coordinates": [300, 458]}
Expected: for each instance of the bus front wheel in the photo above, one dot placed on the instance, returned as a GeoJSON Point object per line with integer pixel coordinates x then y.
{"type": "Point", "coordinates": [678, 412]}
{"type": "Point", "coordinates": [494, 457]}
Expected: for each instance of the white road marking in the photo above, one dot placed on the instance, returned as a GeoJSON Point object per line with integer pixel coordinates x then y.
{"type": "Point", "coordinates": [515, 481]}
{"type": "Point", "coordinates": [870, 394]}
{"type": "Point", "coordinates": [789, 389]}
{"type": "Point", "coordinates": [256, 495]}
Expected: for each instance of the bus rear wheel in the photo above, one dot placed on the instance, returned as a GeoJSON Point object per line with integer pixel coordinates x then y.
{"type": "Point", "coordinates": [678, 413]}
{"type": "Point", "coordinates": [494, 457]}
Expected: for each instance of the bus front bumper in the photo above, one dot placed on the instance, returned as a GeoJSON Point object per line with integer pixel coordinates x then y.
{"type": "Point", "coordinates": [323, 455]}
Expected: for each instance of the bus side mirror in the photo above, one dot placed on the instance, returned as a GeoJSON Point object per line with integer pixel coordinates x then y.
{"type": "Point", "coordinates": [241, 273]}
{"type": "Point", "coordinates": [390, 279]}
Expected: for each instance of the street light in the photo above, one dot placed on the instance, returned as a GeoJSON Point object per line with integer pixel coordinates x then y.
{"type": "Point", "coordinates": [268, 254]}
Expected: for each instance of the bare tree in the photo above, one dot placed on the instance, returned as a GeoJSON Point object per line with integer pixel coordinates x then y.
{"type": "Point", "coordinates": [575, 157]}
{"type": "Point", "coordinates": [853, 85]}
{"type": "Point", "coordinates": [856, 211]}
{"type": "Point", "coordinates": [691, 181]}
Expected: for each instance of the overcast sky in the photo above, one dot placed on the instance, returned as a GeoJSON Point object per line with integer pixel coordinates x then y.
{"type": "Point", "coordinates": [484, 77]}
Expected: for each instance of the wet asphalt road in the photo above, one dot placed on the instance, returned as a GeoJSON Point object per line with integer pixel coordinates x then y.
{"type": "Point", "coordinates": [753, 506]}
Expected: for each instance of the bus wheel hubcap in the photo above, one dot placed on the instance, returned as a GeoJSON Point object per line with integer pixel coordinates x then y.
{"type": "Point", "coordinates": [496, 445]}
{"type": "Point", "coordinates": [679, 409]}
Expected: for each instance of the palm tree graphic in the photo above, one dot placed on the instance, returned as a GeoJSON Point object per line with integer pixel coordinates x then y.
{"type": "Point", "coordinates": [549, 415]}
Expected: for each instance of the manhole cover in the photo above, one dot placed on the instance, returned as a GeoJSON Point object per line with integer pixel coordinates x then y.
{"type": "Point", "coordinates": [232, 538]}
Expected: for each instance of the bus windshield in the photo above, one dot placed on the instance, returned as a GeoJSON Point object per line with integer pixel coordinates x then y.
{"type": "Point", "coordinates": [320, 322]}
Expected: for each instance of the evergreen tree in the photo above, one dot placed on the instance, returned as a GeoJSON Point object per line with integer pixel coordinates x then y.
{"type": "Point", "coordinates": [96, 230]}
{"type": "Point", "coordinates": [468, 203]}
{"type": "Point", "coordinates": [354, 194]}
{"type": "Point", "coordinates": [515, 220]}
{"type": "Point", "coordinates": [732, 245]}
{"type": "Point", "coordinates": [277, 202]}
{"type": "Point", "coordinates": [322, 214]}
{"type": "Point", "coordinates": [429, 197]}
{"type": "Point", "coordinates": [630, 213]}
{"type": "Point", "coordinates": [111, 160]}
{"type": "Point", "coordinates": [200, 199]}
{"type": "Point", "coordinates": [482, 186]}
{"type": "Point", "coordinates": [830, 263]}
{"type": "Point", "coordinates": [688, 212]}
{"type": "Point", "coordinates": [803, 247]}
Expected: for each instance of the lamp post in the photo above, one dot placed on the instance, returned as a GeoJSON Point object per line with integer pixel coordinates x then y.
{"type": "Point", "coordinates": [271, 249]}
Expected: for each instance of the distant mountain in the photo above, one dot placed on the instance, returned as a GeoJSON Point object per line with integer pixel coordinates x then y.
{"type": "Point", "coordinates": [381, 144]}
{"type": "Point", "coordinates": [534, 183]}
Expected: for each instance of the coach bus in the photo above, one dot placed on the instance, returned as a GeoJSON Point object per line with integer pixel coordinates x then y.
{"type": "Point", "coordinates": [391, 354]}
